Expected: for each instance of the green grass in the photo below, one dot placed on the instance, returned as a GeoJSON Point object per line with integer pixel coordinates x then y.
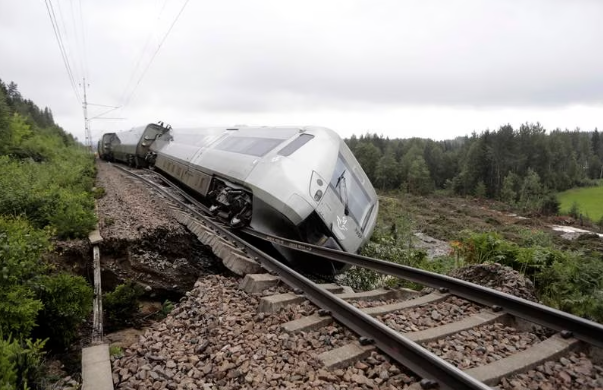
{"type": "Point", "coordinates": [589, 200]}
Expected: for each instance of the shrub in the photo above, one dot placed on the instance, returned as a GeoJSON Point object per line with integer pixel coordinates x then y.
{"type": "Point", "coordinates": [574, 211]}
{"type": "Point", "coordinates": [21, 247]}
{"type": "Point", "coordinates": [54, 193]}
{"type": "Point", "coordinates": [70, 215]}
{"type": "Point", "coordinates": [21, 364]}
{"type": "Point", "coordinates": [550, 205]}
{"type": "Point", "coordinates": [360, 279]}
{"type": "Point", "coordinates": [122, 304]}
{"type": "Point", "coordinates": [18, 311]}
{"type": "Point", "coordinates": [67, 302]}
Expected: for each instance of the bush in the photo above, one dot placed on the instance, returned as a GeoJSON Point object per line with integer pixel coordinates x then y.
{"type": "Point", "coordinates": [21, 364]}
{"type": "Point", "coordinates": [550, 205]}
{"type": "Point", "coordinates": [70, 215]}
{"type": "Point", "coordinates": [21, 247]}
{"type": "Point", "coordinates": [54, 194]}
{"type": "Point", "coordinates": [574, 211]}
{"type": "Point", "coordinates": [67, 302]}
{"type": "Point", "coordinates": [122, 304]}
{"type": "Point", "coordinates": [18, 311]}
{"type": "Point", "coordinates": [360, 279]}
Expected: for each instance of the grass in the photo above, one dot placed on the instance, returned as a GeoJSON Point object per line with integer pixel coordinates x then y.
{"type": "Point", "coordinates": [588, 199]}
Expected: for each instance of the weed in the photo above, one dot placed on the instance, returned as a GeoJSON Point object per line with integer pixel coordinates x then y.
{"type": "Point", "coordinates": [98, 192]}
{"type": "Point", "coordinates": [116, 351]}
{"type": "Point", "coordinates": [166, 309]}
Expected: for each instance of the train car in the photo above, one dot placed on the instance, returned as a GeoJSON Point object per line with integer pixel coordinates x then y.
{"type": "Point", "coordinates": [132, 146]}
{"type": "Point", "coordinates": [299, 183]}
{"type": "Point", "coordinates": [104, 147]}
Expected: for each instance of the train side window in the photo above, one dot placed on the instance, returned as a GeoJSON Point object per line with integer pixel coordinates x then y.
{"type": "Point", "coordinates": [253, 146]}
{"type": "Point", "coordinates": [296, 144]}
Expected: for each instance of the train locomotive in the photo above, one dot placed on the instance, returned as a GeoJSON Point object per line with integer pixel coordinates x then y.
{"type": "Point", "coordinates": [301, 183]}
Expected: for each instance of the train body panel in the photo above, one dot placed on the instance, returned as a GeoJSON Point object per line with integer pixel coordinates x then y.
{"type": "Point", "coordinates": [132, 146]}
{"type": "Point", "coordinates": [299, 183]}
{"type": "Point", "coordinates": [105, 151]}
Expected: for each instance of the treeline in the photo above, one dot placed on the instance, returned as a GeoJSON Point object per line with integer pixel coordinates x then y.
{"type": "Point", "coordinates": [46, 181]}
{"type": "Point", "coordinates": [514, 165]}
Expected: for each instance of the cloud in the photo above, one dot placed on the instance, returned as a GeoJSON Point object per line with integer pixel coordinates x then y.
{"type": "Point", "coordinates": [315, 60]}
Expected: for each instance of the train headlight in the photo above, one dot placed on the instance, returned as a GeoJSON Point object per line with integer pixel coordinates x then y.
{"type": "Point", "coordinates": [318, 186]}
{"type": "Point", "coordinates": [318, 195]}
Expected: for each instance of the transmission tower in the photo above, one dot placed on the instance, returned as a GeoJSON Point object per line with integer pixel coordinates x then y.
{"type": "Point", "coordinates": [88, 142]}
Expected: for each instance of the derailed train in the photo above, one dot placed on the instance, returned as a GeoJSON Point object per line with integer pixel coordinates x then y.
{"type": "Point", "coordinates": [301, 183]}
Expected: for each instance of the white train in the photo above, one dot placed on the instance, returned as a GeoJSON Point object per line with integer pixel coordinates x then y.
{"type": "Point", "coordinates": [301, 183]}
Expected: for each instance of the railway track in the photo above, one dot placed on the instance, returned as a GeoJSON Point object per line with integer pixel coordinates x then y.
{"type": "Point", "coordinates": [413, 330]}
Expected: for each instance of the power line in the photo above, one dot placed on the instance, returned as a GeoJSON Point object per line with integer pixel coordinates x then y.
{"type": "Point", "coordinates": [57, 34]}
{"type": "Point", "coordinates": [144, 49]}
{"type": "Point", "coordinates": [84, 57]}
{"type": "Point", "coordinates": [155, 54]}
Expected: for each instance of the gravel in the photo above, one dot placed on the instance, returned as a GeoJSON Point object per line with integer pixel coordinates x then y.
{"type": "Point", "coordinates": [429, 316]}
{"type": "Point", "coordinates": [143, 242]}
{"type": "Point", "coordinates": [215, 339]}
{"type": "Point", "coordinates": [498, 277]}
{"type": "Point", "coordinates": [482, 345]}
{"type": "Point", "coordinates": [129, 210]}
{"type": "Point", "coordinates": [573, 372]}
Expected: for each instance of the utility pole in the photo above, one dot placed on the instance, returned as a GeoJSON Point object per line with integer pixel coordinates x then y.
{"type": "Point", "coordinates": [88, 141]}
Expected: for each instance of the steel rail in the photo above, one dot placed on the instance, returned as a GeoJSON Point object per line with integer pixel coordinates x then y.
{"type": "Point", "coordinates": [437, 373]}
{"type": "Point", "coordinates": [580, 328]}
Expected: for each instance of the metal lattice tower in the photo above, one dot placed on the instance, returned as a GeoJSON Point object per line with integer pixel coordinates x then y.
{"type": "Point", "coordinates": [88, 141]}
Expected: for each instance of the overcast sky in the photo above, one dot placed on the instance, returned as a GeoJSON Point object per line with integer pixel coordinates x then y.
{"type": "Point", "coordinates": [434, 69]}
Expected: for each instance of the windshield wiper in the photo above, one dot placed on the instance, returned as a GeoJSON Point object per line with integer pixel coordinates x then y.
{"type": "Point", "coordinates": [343, 192]}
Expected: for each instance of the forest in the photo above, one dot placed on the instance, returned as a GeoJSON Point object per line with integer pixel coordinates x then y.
{"type": "Point", "coordinates": [522, 166]}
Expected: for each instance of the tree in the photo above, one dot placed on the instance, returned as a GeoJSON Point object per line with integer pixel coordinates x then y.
{"type": "Point", "coordinates": [510, 188]}
{"type": "Point", "coordinates": [387, 173]}
{"type": "Point", "coordinates": [419, 181]}
{"type": "Point", "coordinates": [531, 190]}
{"type": "Point", "coordinates": [368, 156]}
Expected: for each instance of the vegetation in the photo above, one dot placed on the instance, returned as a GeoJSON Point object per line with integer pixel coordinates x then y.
{"type": "Point", "coordinates": [45, 194]}
{"type": "Point", "coordinates": [585, 201]}
{"type": "Point", "coordinates": [519, 166]}
{"type": "Point", "coordinates": [122, 304]}
{"type": "Point", "coordinates": [524, 168]}
{"type": "Point", "coordinates": [570, 279]}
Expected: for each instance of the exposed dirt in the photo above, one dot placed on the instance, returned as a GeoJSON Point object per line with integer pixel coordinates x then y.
{"type": "Point", "coordinates": [143, 242]}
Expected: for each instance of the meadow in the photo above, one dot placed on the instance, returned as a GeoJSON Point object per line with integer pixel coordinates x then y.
{"type": "Point", "coordinates": [588, 199]}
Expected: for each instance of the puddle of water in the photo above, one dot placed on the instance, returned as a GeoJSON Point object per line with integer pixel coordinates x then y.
{"type": "Point", "coordinates": [572, 232]}
{"type": "Point", "coordinates": [516, 216]}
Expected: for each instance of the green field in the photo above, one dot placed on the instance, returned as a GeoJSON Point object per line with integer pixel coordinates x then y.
{"type": "Point", "coordinates": [589, 200]}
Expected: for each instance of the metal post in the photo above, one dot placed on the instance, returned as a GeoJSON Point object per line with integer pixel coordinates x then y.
{"type": "Point", "coordinates": [88, 141]}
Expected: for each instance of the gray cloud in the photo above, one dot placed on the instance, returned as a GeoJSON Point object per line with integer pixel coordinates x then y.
{"type": "Point", "coordinates": [236, 56]}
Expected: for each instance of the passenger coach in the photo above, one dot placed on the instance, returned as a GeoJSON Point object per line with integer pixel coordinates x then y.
{"type": "Point", "coordinates": [299, 183]}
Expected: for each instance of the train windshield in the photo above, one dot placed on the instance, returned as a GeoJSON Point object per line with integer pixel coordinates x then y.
{"type": "Point", "coordinates": [351, 193]}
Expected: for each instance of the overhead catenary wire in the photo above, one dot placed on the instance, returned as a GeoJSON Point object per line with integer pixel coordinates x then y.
{"type": "Point", "coordinates": [144, 49]}
{"type": "Point", "coordinates": [83, 58]}
{"type": "Point", "coordinates": [59, 39]}
{"type": "Point", "coordinates": [155, 53]}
